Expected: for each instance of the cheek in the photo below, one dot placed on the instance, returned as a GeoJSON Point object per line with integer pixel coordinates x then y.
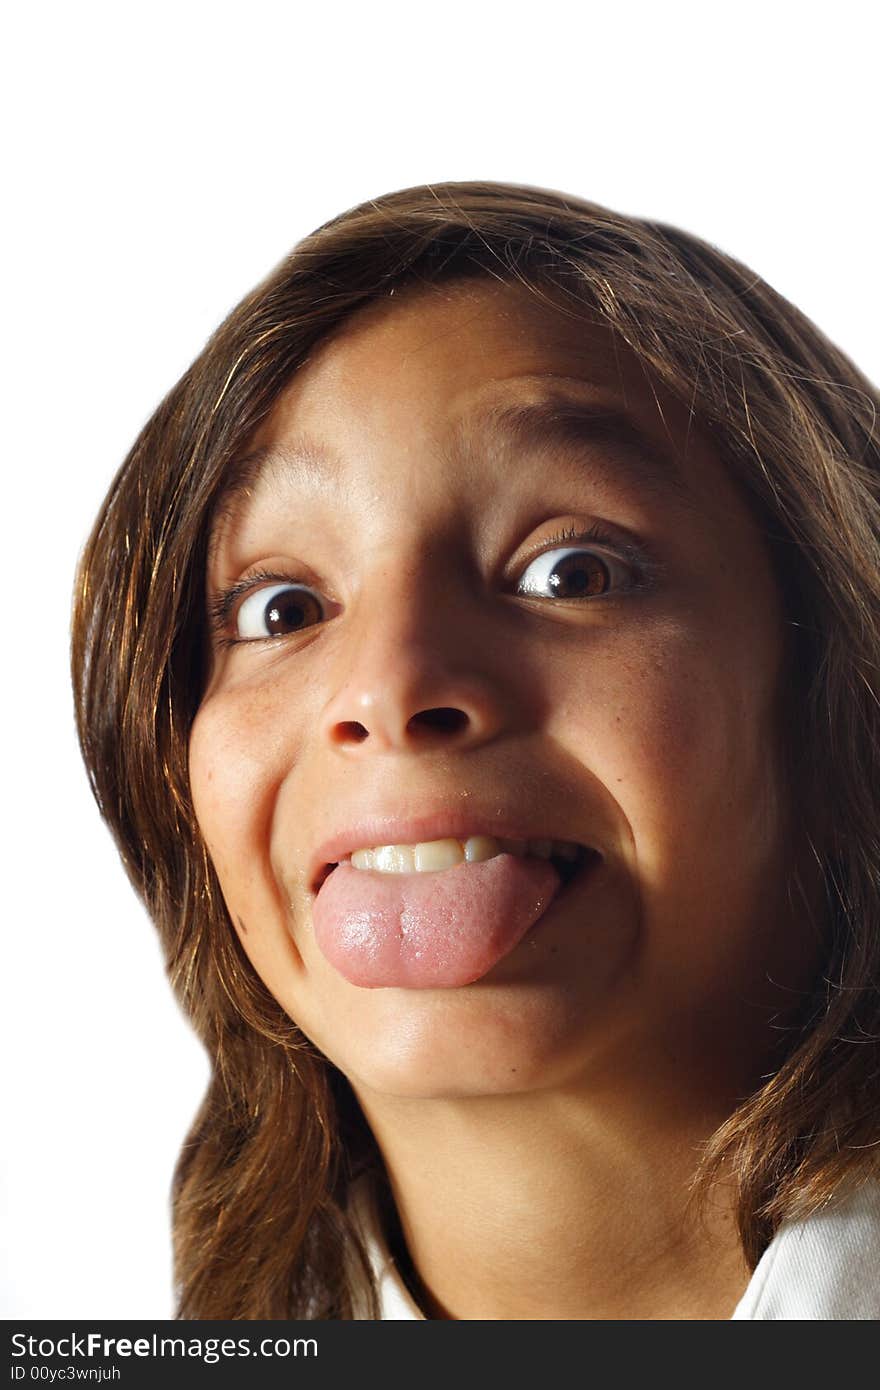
{"type": "Point", "coordinates": [227, 782]}
{"type": "Point", "coordinates": [241, 753]}
{"type": "Point", "coordinates": [236, 764]}
{"type": "Point", "coordinates": [680, 732]}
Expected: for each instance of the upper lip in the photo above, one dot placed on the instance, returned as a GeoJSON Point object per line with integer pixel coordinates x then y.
{"type": "Point", "coordinates": [452, 823]}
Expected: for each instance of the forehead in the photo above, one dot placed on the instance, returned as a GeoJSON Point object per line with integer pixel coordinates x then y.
{"type": "Point", "coordinates": [460, 347]}
{"type": "Point", "coordinates": [444, 374]}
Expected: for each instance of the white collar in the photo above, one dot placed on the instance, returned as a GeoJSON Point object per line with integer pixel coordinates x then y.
{"type": "Point", "coordinates": [825, 1267]}
{"type": "Point", "coordinates": [395, 1301]}
{"type": "Point", "coordinates": [822, 1268]}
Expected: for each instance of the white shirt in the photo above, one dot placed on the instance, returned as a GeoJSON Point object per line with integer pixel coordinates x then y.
{"type": "Point", "coordinates": [826, 1267]}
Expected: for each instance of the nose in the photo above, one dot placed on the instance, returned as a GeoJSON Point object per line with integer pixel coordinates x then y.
{"type": "Point", "coordinates": [419, 667]}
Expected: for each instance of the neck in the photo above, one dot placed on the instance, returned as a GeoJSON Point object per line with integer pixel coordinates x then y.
{"type": "Point", "coordinates": [560, 1205]}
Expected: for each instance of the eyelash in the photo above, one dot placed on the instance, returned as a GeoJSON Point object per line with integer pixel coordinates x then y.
{"type": "Point", "coordinates": [646, 571]}
{"type": "Point", "coordinates": [646, 568]}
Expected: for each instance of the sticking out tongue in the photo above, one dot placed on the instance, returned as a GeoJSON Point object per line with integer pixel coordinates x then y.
{"type": "Point", "coordinates": [429, 930]}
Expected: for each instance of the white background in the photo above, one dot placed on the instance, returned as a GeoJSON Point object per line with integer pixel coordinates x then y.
{"type": "Point", "coordinates": [159, 161]}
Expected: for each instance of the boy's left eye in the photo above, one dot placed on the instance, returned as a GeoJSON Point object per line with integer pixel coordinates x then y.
{"type": "Point", "coordinates": [579, 573]}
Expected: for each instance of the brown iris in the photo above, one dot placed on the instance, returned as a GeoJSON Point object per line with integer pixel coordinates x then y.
{"type": "Point", "coordinates": [290, 610]}
{"type": "Point", "coordinates": [578, 575]}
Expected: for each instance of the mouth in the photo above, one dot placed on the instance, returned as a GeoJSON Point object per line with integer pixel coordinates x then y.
{"type": "Point", "coordinates": [570, 869]}
{"type": "Point", "coordinates": [443, 914]}
{"type": "Point", "coordinates": [570, 864]}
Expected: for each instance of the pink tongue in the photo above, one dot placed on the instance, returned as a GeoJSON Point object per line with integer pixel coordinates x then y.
{"type": "Point", "coordinates": [429, 930]}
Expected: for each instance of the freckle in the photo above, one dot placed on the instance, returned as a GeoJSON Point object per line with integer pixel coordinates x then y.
{"type": "Point", "coordinates": [241, 926]}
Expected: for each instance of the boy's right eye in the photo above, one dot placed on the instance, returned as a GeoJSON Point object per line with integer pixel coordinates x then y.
{"type": "Point", "coordinates": [277, 611]}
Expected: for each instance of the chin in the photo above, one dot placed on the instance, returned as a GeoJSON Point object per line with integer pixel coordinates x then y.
{"type": "Point", "coordinates": [445, 1052]}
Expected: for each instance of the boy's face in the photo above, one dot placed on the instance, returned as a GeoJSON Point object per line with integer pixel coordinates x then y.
{"type": "Point", "coordinates": [640, 718]}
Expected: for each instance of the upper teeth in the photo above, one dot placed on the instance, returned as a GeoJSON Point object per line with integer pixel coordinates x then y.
{"type": "Point", "coordinates": [431, 855]}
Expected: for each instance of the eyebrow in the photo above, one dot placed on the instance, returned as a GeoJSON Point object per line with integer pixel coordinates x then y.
{"type": "Point", "coordinates": [632, 454]}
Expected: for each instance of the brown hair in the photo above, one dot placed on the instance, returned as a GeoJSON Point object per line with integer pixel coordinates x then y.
{"type": "Point", "coordinates": [260, 1227]}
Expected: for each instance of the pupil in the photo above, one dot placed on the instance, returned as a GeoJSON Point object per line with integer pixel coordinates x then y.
{"type": "Point", "coordinates": [283, 613]}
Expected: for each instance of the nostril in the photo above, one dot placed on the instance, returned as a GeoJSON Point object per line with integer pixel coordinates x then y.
{"type": "Point", "coordinates": [427, 723]}
{"type": "Point", "coordinates": [350, 731]}
{"type": "Point", "coordinates": [443, 720]}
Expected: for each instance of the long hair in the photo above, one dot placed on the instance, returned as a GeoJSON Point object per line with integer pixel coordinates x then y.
{"type": "Point", "coordinates": [259, 1195]}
